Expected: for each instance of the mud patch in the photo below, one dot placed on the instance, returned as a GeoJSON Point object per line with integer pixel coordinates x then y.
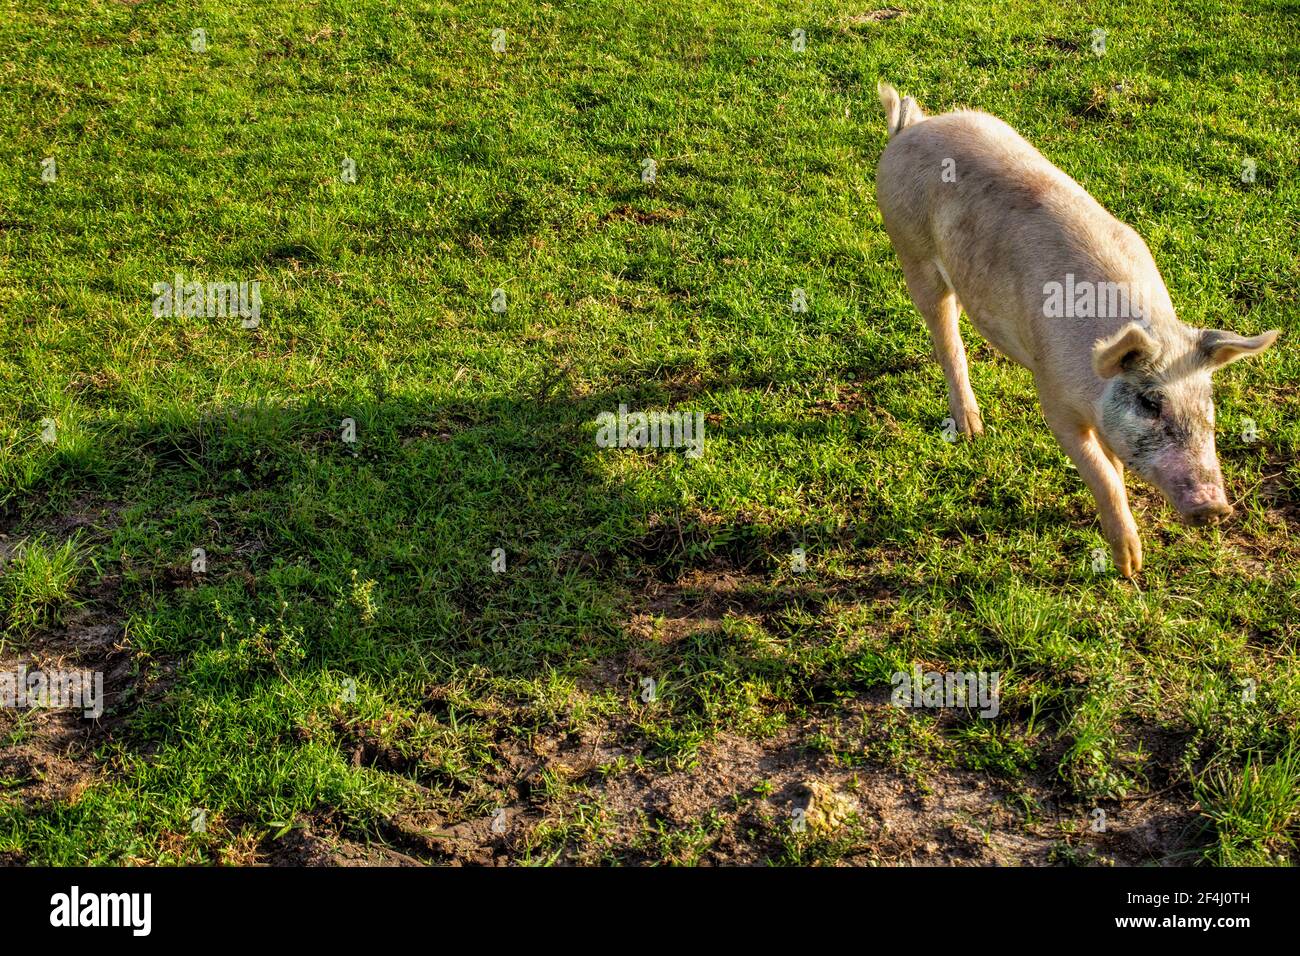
{"type": "Point", "coordinates": [47, 755]}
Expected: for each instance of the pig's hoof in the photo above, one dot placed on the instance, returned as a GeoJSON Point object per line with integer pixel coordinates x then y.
{"type": "Point", "coordinates": [969, 423]}
{"type": "Point", "coordinates": [1127, 553]}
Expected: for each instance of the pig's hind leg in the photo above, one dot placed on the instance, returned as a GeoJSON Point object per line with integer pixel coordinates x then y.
{"type": "Point", "coordinates": [938, 305]}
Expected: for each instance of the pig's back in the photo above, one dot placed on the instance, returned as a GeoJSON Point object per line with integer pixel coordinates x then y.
{"type": "Point", "coordinates": [1003, 222]}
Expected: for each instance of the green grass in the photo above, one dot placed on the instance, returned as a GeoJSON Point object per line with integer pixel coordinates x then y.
{"type": "Point", "coordinates": [37, 584]}
{"type": "Point", "coordinates": [349, 604]}
{"type": "Point", "coordinates": [1254, 810]}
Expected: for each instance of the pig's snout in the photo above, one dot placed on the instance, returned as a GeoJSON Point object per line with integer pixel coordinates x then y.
{"type": "Point", "coordinates": [1205, 504]}
{"type": "Point", "coordinates": [1193, 485]}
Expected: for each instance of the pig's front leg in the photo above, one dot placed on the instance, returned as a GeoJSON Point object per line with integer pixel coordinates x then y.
{"type": "Point", "coordinates": [1107, 485]}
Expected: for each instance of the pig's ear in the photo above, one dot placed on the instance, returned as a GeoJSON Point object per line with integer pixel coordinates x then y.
{"type": "Point", "coordinates": [1128, 347]}
{"type": "Point", "coordinates": [1221, 348]}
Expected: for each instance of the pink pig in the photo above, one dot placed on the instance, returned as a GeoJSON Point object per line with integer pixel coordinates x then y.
{"type": "Point", "coordinates": [982, 221]}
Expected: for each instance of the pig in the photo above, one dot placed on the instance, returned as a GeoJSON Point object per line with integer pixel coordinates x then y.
{"type": "Point", "coordinates": [980, 220]}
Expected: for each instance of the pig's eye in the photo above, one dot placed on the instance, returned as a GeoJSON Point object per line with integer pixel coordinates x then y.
{"type": "Point", "coordinates": [1149, 405]}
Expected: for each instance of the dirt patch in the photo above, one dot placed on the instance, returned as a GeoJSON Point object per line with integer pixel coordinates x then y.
{"type": "Point", "coordinates": [881, 15]}
{"type": "Point", "coordinates": [318, 845]}
{"type": "Point", "coordinates": [788, 797]}
{"type": "Point", "coordinates": [751, 802]}
{"type": "Point", "coordinates": [597, 789]}
{"type": "Point", "coordinates": [697, 601]}
{"type": "Point", "coordinates": [642, 217]}
{"type": "Point", "coordinates": [47, 754]}
{"type": "Point", "coordinates": [1064, 44]}
{"type": "Point", "coordinates": [46, 767]}
{"type": "Point", "coordinates": [848, 400]}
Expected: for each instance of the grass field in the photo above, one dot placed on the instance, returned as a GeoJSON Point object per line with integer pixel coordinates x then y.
{"type": "Point", "coordinates": [354, 673]}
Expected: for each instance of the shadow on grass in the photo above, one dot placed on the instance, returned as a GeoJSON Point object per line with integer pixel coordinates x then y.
{"type": "Point", "coordinates": [400, 583]}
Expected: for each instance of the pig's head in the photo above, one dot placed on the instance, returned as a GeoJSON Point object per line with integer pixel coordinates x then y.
{"type": "Point", "coordinates": [1157, 410]}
